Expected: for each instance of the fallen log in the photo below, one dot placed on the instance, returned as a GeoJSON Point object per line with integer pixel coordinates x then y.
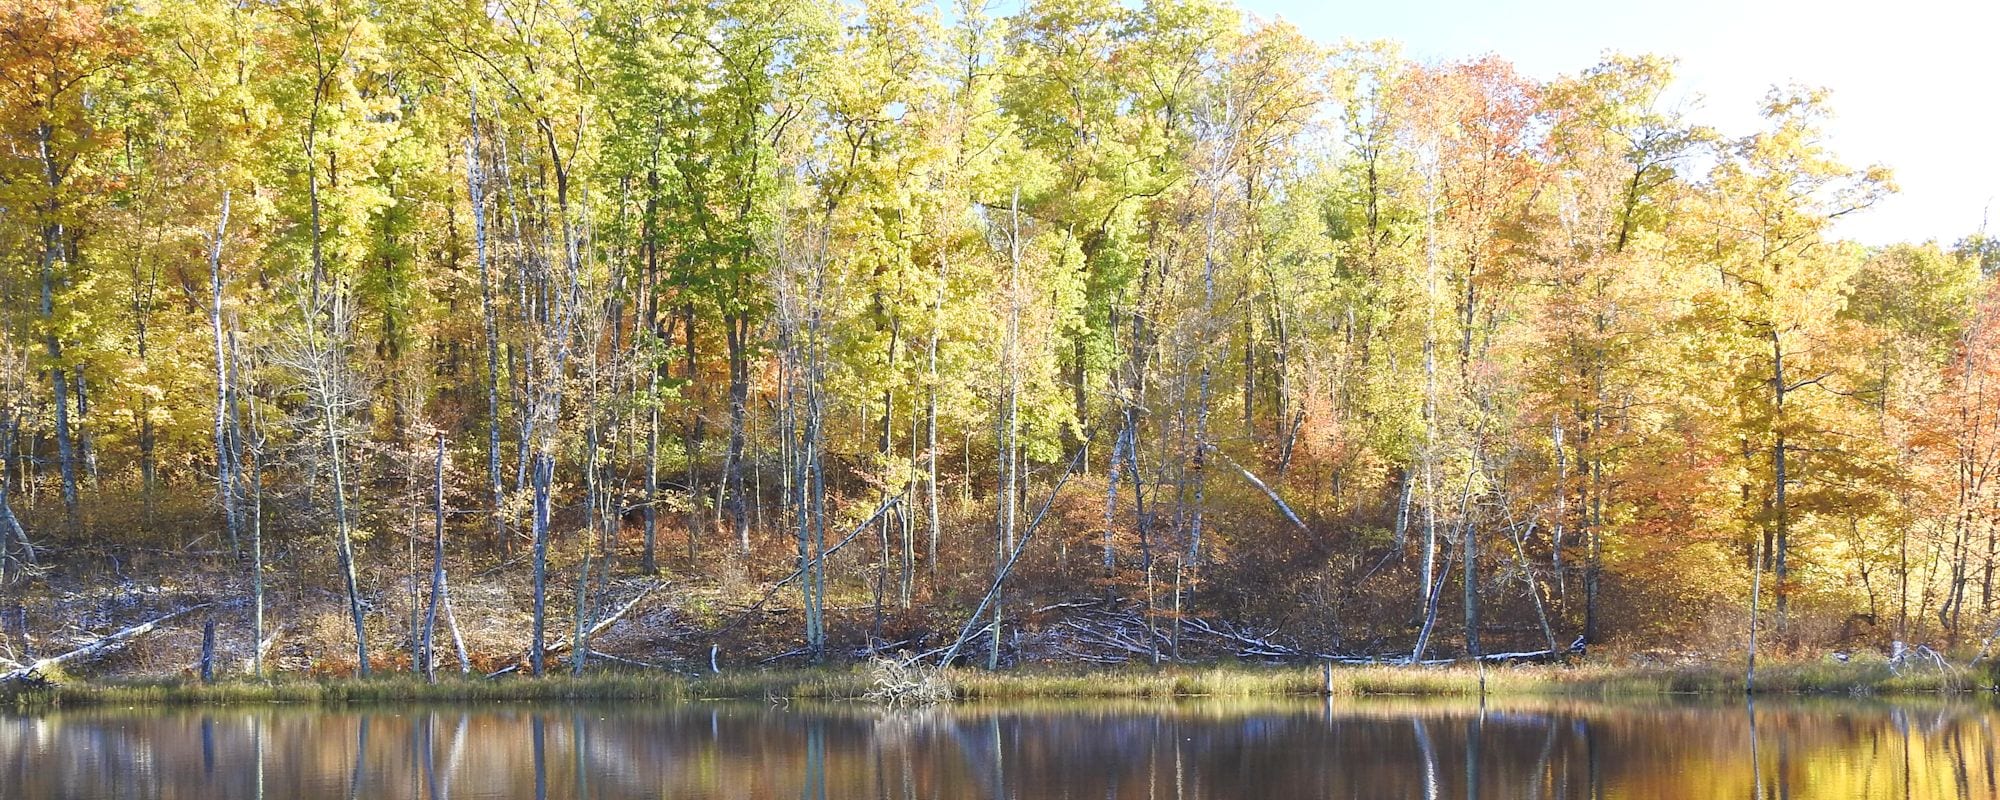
{"type": "Point", "coordinates": [101, 646]}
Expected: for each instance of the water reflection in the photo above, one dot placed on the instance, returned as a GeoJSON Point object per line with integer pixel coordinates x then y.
{"type": "Point", "coordinates": [1366, 749]}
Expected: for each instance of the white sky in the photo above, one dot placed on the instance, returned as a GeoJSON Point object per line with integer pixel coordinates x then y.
{"type": "Point", "coordinates": [1914, 82]}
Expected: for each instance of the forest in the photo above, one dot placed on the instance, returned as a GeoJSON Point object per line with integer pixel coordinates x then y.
{"type": "Point", "coordinates": [526, 334]}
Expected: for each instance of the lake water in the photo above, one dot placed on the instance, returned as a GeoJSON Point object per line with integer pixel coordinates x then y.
{"type": "Point", "coordinates": [1360, 749]}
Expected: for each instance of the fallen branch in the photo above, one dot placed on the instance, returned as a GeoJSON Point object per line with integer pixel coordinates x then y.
{"type": "Point", "coordinates": [97, 648]}
{"type": "Point", "coordinates": [823, 556]}
{"type": "Point", "coordinates": [264, 647]}
{"type": "Point", "coordinates": [622, 660]}
{"type": "Point", "coordinates": [784, 655]}
{"type": "Point", "coordinates": [607, 622]}
{"type": "Point", "coordinates": [1246, 645]}
{"type": "Point", "coordinates": [1266, 489]}
{"type": "Point", "coordinates": [1020, 547]}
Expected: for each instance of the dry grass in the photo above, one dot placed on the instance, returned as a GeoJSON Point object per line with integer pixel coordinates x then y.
{"type": "Point", "coordinates": [1857, 677]}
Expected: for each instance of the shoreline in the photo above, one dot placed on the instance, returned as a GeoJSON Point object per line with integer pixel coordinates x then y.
{"type": "Point", "coordinates": [867, 683]}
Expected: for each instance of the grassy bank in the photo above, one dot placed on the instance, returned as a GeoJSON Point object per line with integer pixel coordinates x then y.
{"type": "Point", "coordinates": [1164, 683]}
{"type": "Point", "coordinates": [1582, 680]}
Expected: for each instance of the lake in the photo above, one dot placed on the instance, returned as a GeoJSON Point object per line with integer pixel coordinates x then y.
{"type": "Point", "coordinates": [1369, 748]}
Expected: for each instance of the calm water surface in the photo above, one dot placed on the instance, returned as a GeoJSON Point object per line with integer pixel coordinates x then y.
{"type": "Point", "coordinates": [1360, 749]}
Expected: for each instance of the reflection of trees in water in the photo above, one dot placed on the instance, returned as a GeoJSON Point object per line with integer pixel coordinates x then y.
{"type": "Point", "coordinates": [1426, 750]}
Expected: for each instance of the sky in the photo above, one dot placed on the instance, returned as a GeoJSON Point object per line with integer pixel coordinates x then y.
{"type": "Point", "coordinates": [1913, 81]}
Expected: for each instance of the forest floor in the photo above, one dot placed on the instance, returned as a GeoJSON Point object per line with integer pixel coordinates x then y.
{"type": "Point", "coordinates": [676, 637]}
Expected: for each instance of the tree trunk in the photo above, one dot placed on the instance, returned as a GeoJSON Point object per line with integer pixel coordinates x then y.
{"type": "Point", "coordinates": [1756, 592]}
{"type": "Point", "coordinates": [1470, 556]}
{"type": "Point", "coordinates": [343, 531]}
{"type": "Point", "coordinates": [17, 551]}
{"type": "Point", "coordinates": [52, 255]}
{"type": "Point", "coordinates": [647, 562]}
{"type": "Point", "coordinates": [208, 652]}
{"type": "Point", "coordinates": [580, 638]}
{"type": "Point", "coordinates": [1561, 513]}
{"type": "Point", "coordinates": [931, 442]}
{"type": "Point", "coordinates": [427, 653]}
{"type": "Point", "coordinates": [1009, 426]}
{"type": "Point", "coordinates": [225, 458]}
{"type": "Point", "coordinates": [257, 559]}
{"type": "Point", "coordinates": [691, 438]}
{"type": "Point", "coordinates": [475, 179]}
{"type": "Point", "coordinates": [738, 334]}
{"type": "Point", "coordinates": [1779, 479]}
{"type": "Point", "coordinates": [544, 473]}
{"type": "Point", "coordinates": [255, 443]}
{"type": "Point", "coordinates": [145, 287]}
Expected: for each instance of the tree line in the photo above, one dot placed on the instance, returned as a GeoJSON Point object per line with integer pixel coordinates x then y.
{"type": "Point", "coordinates": [1405, 356]}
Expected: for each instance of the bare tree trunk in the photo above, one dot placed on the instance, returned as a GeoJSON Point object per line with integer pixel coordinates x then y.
{"type": "Point", "coordinates": [544, 468]}
{"type": "Point", "coordinates": [1593, 464]}
{"type": "Point", "coordinates": [647, 561]}
{"type": "Point", "coordinates": [225, 458]}
{"type": "Point", "coordinates": [1469, 542]}
{"type": "Point", "coordinates": [1430, 400]}
{"type": "Point", "coordinates": [738, 333]}
{"type": "Point", "coordinates": [1112, 474]}
{"type": "Point", "coordinates": [86, 444]}
{"type": "Point", "coordinates": [1009, 425]}
{"type": "Point", "coordinates": [1561, 513]}
{"type": "Point", "coordinates": [1534, 586]}
{"type": "Point", "coordinates": [52, 254]}
{"type": "Point", "coordinates": [427, 653]}
{"type": "Point", "coordinates": [325, 361]}
{"type": "Point", "coordinates": [1780, 478]}
{"type": "Point", "coordinates": [1013, 555]}
{"type": "Point", "coordinates": [906, 523]}
{"type": "Point", "coordinates": [692, 436]}
{"type": "Point", "coordinates": [1431, 604]}
{"type": "Point", "coordinates": [257, 563]}
{"type": "Point", "coordinates": [815, 517]}
{"type": "Point", "coordinates": [17, 551]}
{"type": "Point", "coordinates": [208, 652]}
{"type": "Point", "coordinates": [255, 441]}
{"type": "Point", "coordinates": [579, 638]}
{"type": "Point", "coordinates": [145, 288]}
{"type": "Point", "coordinates": [931, 440]}
{"type": "Point", "coordinates": [1593, 568]}
{"type": "Point", "coordinates": [1756, 593]}
{"type": "Point", "coordinates": [475, 179]}
{"type": "Point", "coordinates": [345, 540]}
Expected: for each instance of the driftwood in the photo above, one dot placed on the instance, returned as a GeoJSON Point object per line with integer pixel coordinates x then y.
{"type": "Point", "coordinates": [101, 646]}
{"type": "Point", "coordinates": [607, 622]}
